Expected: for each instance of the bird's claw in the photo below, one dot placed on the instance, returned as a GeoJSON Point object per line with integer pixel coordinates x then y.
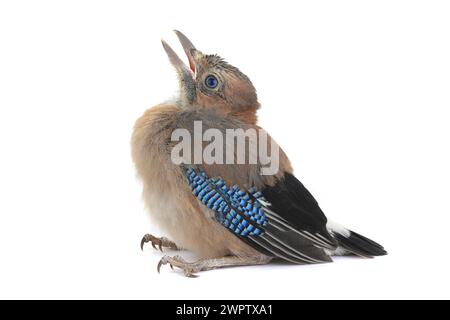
{"type": "Point", "coordinates": [154, 241]}
{"type": "Point", "coordinates": [158, 243]}
{"type": "Point", "coordinates": [178, 261]}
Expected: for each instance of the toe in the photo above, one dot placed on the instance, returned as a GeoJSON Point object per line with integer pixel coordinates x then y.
{"type": "Point", "coordinates": [145, 239]}
{"type": "Point", "coordinates": [160, 263]}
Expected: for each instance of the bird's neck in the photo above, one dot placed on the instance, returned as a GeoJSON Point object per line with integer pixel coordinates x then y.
{"type": "Point", "coordinates": [248, 116]}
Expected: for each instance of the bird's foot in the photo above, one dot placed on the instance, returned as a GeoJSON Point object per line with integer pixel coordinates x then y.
{"type": "Point", "coordinates": [160, 242]}
{"type": "Point", "coordinates": [188, 268]}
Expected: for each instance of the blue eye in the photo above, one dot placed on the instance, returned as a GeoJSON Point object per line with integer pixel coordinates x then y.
{"type": "Point", "coordinates": [211, 82]}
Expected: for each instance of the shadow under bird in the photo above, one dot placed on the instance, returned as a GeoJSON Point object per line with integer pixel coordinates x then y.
{"type": "Point", "coordinates": [227, 214]}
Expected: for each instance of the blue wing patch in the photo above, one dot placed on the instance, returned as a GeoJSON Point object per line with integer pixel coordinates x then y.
{"type": "Point", "coordinates": [234, 208]}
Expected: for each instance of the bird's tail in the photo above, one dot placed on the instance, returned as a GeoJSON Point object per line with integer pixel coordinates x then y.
{"type": "Point", "coordinates": [353, 243]}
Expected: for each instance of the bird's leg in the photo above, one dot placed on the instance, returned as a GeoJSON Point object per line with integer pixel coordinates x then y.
{"type": "Point", "coordinates": [160, 242]}
{"type": "Point", "coordinates": [189, 268]}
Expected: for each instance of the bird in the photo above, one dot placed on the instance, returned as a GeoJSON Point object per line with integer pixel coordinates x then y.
{"type": "Point", "coordinates": [227, 214]}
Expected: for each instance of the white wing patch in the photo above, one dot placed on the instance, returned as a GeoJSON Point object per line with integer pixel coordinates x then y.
{"type": "Point", "coordinates": [334, 227]}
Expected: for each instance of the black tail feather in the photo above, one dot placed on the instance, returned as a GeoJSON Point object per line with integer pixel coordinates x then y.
{"type": "Point", "coordinates": [360, 245]}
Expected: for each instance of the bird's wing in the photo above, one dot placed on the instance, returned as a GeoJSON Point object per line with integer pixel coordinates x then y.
{"type": "Point", "coordinates": [274, 214]}
{"type": "Point", "coordinates": [290, 229]}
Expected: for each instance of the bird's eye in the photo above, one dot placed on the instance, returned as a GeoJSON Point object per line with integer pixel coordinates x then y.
{"type": "Point", "coordinates": [211, 82]}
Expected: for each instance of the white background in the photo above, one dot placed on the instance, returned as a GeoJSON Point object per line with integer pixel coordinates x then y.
{"type": "Point", "coordinates": [356, 92]}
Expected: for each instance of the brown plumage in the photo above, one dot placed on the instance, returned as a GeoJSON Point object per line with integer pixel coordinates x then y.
{"type": "Point", "coordinates": [165, 191]}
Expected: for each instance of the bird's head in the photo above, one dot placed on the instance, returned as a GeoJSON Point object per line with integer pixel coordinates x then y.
{"type": "Point", "coordinates": [210, 82]}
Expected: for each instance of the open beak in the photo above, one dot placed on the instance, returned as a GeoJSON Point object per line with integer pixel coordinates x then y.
{"type": "Point", "coordinates": [186, 74]}
{"type": "Point", "coordinates": [188, 48]}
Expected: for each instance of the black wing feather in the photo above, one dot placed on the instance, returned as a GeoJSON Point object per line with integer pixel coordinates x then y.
{"type": "Point", "coordinates": [291, 201]}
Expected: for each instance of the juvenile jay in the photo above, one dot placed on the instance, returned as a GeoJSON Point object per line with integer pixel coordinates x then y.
{"type": "Point", "coordinates": [227, 214]}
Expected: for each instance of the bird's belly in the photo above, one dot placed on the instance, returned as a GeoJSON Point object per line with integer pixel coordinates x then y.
{"type": "Point", "coordinates": [191, 226]}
